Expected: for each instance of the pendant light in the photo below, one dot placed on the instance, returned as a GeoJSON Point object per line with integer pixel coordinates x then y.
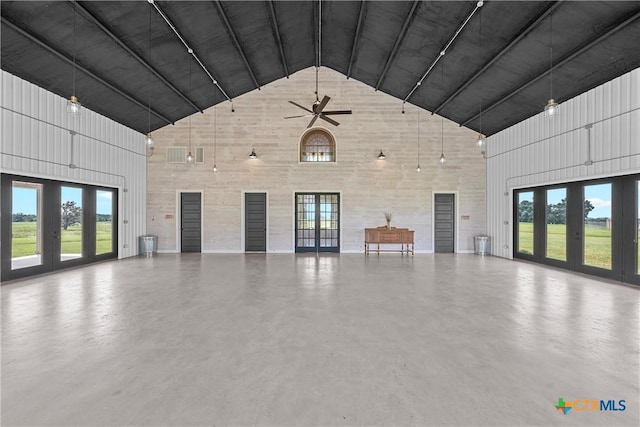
{"type": "Point", "coordinates": [190, 156]}
{"type": "Point", "coordinates": [418, 168]}
{"type": "Point", "coordinates": [148, 139]}
{"type": "Point", "coordinates": [480, 140]}
{"type": "Point", "coordinates": [381, 156]}
{"type": "Point", "coordinates": [551, 109]}
{"type": "Point", "coordinates": [73, 105]}
{"type": "Point", "coordinates": [215, 168]}
{"type": "Point", "coordinates": [253, 154]}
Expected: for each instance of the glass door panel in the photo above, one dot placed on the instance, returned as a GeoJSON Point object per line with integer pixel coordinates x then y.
{"type": "Point", "coordinates": [26, 225]}
{"type": "Point", "coordinates": [104, 222]}
{"type": "Point", "coordinates": [525, 223]}
{"type": "Point", "coordinates": [306, 221]}
{"type": "Point", "coordinates": [596, 249]}
{"type": "Point", "coordinates": [70, 223]}
{"type": "Point", "coordinates": [556, 224]}
{"type": "Point", "coordinates": [328, 220]}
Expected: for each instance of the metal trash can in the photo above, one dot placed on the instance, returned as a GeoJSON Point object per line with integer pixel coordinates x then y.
{"type": "Point", "coordinates": [147, 245]}
{"type": "Point", "coordinates": [481, 244]}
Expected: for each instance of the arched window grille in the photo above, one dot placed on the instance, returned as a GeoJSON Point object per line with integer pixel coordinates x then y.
{"type": "Point", "coordinates": [317, 145]}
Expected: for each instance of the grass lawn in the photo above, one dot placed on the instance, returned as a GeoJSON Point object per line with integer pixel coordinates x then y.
{"type": "Point", "coordinates": [24, 239]}
{"type": "Point", "coordinates": [597, 243]}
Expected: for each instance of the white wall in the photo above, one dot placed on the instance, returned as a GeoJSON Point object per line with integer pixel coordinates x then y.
{"type": "Point", "coordinates": [540, 151]}
{"type": "Point", "coordinates": [36, 142]}
{"type": "Point", "coordinates": [368, 187]}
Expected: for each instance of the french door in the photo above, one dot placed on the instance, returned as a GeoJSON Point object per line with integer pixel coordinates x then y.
{"type": "Point", "coordinates": [49, 225]}
{"type": "Point", "coordinates": [589, 226]}
{"type": "Point", "coordinates": [317, 222]}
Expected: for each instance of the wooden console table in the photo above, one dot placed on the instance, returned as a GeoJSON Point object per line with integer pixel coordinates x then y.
{"type": "Point", "coordinates": [393, 236]}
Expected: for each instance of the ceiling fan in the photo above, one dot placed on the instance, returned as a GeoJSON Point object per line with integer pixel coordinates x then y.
{"type": "Point", "coordinates": [317, 108]}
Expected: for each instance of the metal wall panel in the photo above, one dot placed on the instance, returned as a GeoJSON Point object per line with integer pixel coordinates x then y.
{"type": "Point", "coordinates": [36, 141]}
{"type": "Point", "coordinates": [539, 151]}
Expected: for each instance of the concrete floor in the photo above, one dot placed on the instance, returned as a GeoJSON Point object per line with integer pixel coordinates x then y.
{"type": "Point", "coordinates": [304, 340]}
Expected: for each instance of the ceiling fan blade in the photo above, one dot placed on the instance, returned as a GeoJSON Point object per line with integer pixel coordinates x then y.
{"type": "Point", "coordinates": [333, 122]}
{"type": "Point", "coordinates": [323, 104]}
{"type": "Point", "coordinates": [315, 117]}
{"type": "Point", "coordinates": [298, 105]}
{"type": "Point", "coordinates": [337, 112]}
{"type": "Point", "coordinates": [295, 117]}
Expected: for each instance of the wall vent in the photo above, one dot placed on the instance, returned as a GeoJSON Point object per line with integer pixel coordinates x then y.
{"type": "Point", "coordinates": [179, 154]}
{"type": "Point", "coordinates": [176, 154]}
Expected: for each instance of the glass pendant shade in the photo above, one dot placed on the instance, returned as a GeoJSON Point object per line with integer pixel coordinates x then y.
{"type": "Point", "coordinates": [551, 109]}
{"type": "Point", "coordinates": [215, 168]}
{"type": "Point", "coordinates": [149, 140]}
{"type": "Point", "coordinates": [189, 157]}
{"type": "Point", "coordinates": [73, 105]}
{"type": "Point", "coordinates": [442, 159]}
{"type": "Point", "coordinates": [480, 140]}
{"type": "Point", "coordinates": [418, 168]}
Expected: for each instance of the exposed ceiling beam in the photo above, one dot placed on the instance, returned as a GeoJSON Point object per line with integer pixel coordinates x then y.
{"type": "Point", "coordinates": [526, 30]}
{"type": "Point", "coordinates": [620, 25]}
{"type": "Point", "coordinates": [236, 42]}
{"type": "Point", "coordinates": [70, 61]}
{"type": "Point", "coordinates": [276, 30]}
{"type": "Point", "coordinates": [356, 37]}
{"type": "Point", "coordinates": [396, 45]}
{"type": "Point", "coordinates": [148, 66]}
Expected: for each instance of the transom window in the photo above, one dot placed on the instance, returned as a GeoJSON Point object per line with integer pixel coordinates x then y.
{"type": "Point", "coordinates": [317, 145]}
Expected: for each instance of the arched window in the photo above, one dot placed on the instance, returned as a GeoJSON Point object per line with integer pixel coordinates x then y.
{"type": "Point", "coordinates": [317, 145]}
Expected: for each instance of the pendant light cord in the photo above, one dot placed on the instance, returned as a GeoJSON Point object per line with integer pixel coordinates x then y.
{"type": "Point", "coordinates": [480, 55]}
{"type": "Point", "coordinates": [191, 115]}
{"type": "Point", "coordinates": [551, 56]}
{"type": "Point", "coordinates": [441, 116]}
{"type": "Point", "coordinates": [214, 135]}
{"type": "Point", "coordinates": [418, 136]}
{"type": "Point", "coordinates": [149, 59]}
{"type": "Point", "coordinates": [73, 72]}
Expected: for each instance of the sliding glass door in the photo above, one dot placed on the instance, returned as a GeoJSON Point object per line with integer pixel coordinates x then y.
{"type": "Point", "coordinates": [48, 225]}
{"type": "Point", "coordinates": [590, 226]}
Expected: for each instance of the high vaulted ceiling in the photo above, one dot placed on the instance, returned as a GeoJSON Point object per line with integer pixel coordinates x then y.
{"type": "Point", "coordinates": [128, 57]}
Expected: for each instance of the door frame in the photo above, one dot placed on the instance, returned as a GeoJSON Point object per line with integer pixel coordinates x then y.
{"type": "Point", "coordinates": [179, 219]}
{"type": "Point", "coordinates": [293, 216]}
{"type": "Point", "coordinates": [456, 219]}
{"type": "Point", "coordinates": [243, 217]}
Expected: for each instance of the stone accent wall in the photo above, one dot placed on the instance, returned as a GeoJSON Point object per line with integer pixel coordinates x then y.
{"type": "Point", "coordinates": [368, 186]}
